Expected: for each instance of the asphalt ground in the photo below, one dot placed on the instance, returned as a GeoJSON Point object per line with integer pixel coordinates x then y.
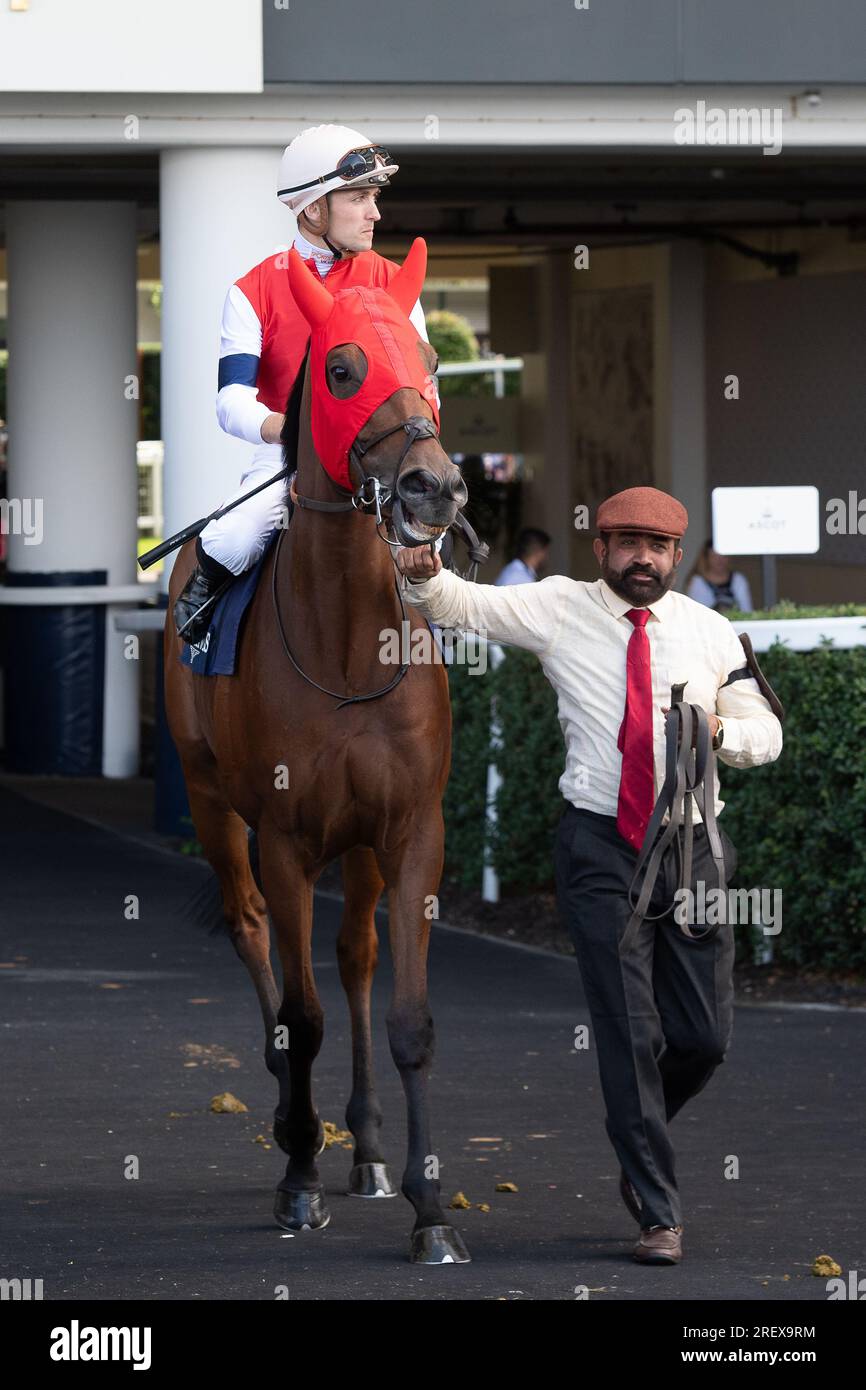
{"type": "Point", "coordinates": [117, 1033]}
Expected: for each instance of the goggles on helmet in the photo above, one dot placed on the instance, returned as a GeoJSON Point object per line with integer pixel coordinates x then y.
{"type": "Point", "coordinates": [352, 166]}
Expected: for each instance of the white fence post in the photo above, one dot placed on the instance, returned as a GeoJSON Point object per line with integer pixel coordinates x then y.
{"type": "Point", "coordinates": [490, 879]}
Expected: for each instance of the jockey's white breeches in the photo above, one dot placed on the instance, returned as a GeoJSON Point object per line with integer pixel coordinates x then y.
{"type": "Point", "coordinates": [238, 539]}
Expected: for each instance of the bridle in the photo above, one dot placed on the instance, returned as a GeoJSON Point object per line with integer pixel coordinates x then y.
{"type": "Point", "coordinates": [689, 777]}
{"type": "Point", "coordinates": [369, 493]}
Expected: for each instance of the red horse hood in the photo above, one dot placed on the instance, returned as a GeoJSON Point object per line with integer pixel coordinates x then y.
{"type": "Point", "coordinates": [378, 321]}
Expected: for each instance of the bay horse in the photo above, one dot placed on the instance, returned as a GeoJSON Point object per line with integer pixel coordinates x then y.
{"type": "Point", "coordinates": [322, 756]}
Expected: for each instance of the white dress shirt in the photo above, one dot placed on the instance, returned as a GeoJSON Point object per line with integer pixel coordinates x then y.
{"type": "Point", "coordinates": [579, 632]}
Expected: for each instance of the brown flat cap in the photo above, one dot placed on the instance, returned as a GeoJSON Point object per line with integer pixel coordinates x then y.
{"type": "Point", "coordinates": [643, 509]}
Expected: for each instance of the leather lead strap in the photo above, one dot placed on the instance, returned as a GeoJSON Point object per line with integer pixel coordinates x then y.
{"type": "Point", "coordinates": [688, 773]}
{"type": "Point", "coordinates": [764, 686]}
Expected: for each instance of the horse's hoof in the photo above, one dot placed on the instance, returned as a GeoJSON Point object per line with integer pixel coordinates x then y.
{"type": "Point", "coordinates": [301, 1211]}
{"type": "Point", "coordinates": [438, 1245]}
{"type": "Point", "coordinates": [371, 1180]}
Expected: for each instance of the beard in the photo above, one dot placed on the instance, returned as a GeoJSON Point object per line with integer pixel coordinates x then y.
{"type": "Point", "coordinates": [638, 591]}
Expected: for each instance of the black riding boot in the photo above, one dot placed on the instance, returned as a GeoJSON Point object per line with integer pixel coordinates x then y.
{"type": "Point", "coordinates": [195, 603]}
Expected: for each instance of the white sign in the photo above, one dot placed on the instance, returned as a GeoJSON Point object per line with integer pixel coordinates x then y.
{"type": "Point", "coordinates": [133, 46]}
{"type": "Point", "coordinates": [480, 424]}
{"type": "Point", "coordinates": [765, 520]}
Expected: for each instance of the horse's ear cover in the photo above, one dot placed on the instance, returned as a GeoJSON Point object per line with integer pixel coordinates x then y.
{"type": "Point", "coordinates": [378, 321]}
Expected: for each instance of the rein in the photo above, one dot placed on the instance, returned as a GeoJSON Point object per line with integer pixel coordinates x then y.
{"type": "Point", "coordinates": [689, 778]}
{"type": "Point", "coordinates": [338, 695]}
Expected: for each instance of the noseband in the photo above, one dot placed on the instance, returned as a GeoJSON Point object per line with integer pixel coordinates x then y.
{"type": "Point", "coordinates": [416, 427]}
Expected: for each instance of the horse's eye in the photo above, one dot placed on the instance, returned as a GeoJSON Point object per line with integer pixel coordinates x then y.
{"type": "Point", "coordinates": [346, 368]}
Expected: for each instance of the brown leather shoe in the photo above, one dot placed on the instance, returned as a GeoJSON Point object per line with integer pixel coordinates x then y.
{"type": "Point", "coordinates": [659, 1245]}
{"type": "Point", "coordinates": [630, 1195]}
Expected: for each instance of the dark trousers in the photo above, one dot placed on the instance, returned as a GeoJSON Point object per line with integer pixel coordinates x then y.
{"type": "Point", "coordinates": [662, 1014]}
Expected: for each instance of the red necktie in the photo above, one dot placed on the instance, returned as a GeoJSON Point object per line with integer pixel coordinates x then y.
{"type": "Point", "coordinates": [635, 742]}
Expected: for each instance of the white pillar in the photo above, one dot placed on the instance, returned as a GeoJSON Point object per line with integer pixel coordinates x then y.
{"type": "Point", "coordinates": [550, 493]}
{"type": "Point", "coordinates": [680, 414]}
{"type": "Point", "coordinates": [219, 216]}
{"type": "Point", "coordinates": [73, 415]}
{"type": "Point", "coordinates": [559, 482]}
{"type": "Point", "coordinates": [73, 412]}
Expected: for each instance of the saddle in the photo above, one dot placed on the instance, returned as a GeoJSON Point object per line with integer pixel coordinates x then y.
{"type": "Point", "coordinates": [689, 780]}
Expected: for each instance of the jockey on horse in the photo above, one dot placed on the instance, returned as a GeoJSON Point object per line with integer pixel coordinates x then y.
{"type": "Point", "coordinates": [329, 177]}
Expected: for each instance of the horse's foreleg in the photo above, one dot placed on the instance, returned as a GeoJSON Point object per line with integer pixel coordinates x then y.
{"type": "Point", "coordinates": [413, 879]}
{"type": "Point", "coordinates": [223, 837]}
{"type": "Point", "coordinates": [288, 888]}
{"type": "Point", "coordinates": [357, 953]}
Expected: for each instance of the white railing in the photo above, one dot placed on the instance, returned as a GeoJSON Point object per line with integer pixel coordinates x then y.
{"type": "Point", "coordinates": [493, 366]}
{"type": "Point", "coordinates": [803, 634]}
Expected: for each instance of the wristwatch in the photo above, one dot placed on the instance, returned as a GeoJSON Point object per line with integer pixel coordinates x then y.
{"type": "Point", "coordinates": [719, 736]}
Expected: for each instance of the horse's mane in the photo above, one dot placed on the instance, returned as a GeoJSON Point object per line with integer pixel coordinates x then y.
{"type": "Point", "coordinates": [290, 433]}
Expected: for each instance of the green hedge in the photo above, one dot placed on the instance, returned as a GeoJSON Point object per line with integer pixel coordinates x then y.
{"type": "Point", "coordinates": [466, 794]}
{"type": "Point", "coordinates": [798, 823]}
{"type": "Point", "coordinates": [531, 759]}
{"type": "Point", "coordinates": [785, 609]}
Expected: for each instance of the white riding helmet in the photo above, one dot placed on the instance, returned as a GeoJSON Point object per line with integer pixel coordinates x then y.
{"type": "Point", "coordinates": [311, 164]}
